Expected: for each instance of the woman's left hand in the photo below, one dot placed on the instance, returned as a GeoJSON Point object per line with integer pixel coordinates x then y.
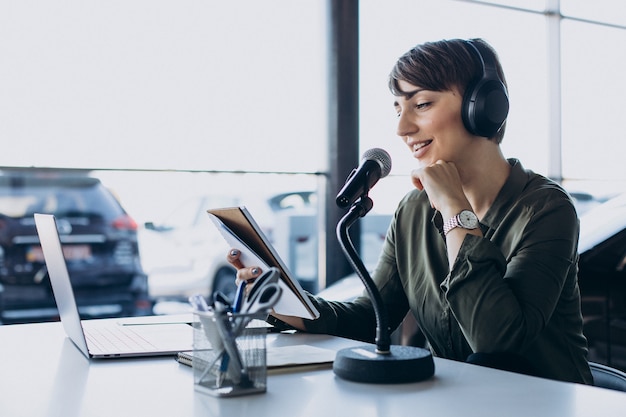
{"type": "Point", "coordinates": [442, 183]}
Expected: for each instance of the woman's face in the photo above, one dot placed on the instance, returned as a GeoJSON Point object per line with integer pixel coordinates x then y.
{"type": "Point", "coordinates": [430, 124]}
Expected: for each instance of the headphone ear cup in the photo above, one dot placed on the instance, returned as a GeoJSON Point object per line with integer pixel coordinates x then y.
{"type": "Point", "coordinates": [485, 102]}
{"type": "Point", "coordinates": [485, 107]}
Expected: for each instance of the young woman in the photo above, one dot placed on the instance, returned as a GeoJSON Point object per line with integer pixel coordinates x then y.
{"type": "Point", "coordinates": [483, 252]}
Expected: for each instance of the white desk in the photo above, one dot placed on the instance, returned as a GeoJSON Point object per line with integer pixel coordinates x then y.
{"type": "Point", "coordinates": [43, 374]}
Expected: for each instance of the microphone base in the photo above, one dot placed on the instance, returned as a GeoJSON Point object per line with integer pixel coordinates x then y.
{"type": "Point", "coordinates": [403, 364]}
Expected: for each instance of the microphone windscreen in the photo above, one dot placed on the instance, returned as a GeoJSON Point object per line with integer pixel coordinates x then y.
{"type": "Point", "coordinates": [382, 157]}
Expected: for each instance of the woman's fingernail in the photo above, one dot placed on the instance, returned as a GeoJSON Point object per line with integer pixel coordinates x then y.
{"type": "Point", "coordinates": [234, 252]}
{"type": "Point", "coordinates": [255, 271]}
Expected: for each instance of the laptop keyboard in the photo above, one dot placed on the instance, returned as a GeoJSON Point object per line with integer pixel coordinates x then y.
{"type": "Point", "coordinates": [117, 339]}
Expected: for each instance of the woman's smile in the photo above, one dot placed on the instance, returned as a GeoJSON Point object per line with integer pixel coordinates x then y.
{"type": "Point", "coordinates": [420, 148]}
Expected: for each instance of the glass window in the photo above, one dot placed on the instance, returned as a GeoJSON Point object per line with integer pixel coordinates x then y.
{"type": "Point", "coordinates": [155, 95]}
{"type": "Point", "coordinates": [604, 11]}
{"type": "Point", "coordinates": [164, 85]}
{"type": "Point", "coordinates": [593, 89]}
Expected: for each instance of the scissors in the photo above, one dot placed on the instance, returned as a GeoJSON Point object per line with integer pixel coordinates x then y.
{"type": "Point", "coordinates": [257, 298]}
{"type": "Point", "coordinates": [270, 276]}
{"type": "Point", "coordinates": [263, 299]}
{"type": "Point", "coordinates": [260, 301]}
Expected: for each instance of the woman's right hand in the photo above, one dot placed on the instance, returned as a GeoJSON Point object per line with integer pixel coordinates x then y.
{"type": "Point", "coordinates": [248, 274]}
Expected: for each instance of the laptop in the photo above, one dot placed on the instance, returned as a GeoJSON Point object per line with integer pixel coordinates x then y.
{"type": "Point", "coordinates": [106, 338]}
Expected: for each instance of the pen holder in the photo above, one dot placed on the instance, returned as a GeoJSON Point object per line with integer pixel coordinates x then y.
{"type": "Point", "coordinates": [229, 356]}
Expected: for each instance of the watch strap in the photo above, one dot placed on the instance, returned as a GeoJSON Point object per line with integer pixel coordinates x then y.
{"type": "Point", "coordinates": [451, 223]}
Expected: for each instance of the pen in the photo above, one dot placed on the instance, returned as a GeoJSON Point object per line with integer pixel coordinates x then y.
{"type": "Point", "coordinates": [198, 302]}
{"type": "Point", "coordinates": [239, 296]}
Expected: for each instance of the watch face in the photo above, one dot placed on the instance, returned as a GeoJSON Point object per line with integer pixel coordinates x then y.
{"type": "Point", "coordinates": [468, 219]}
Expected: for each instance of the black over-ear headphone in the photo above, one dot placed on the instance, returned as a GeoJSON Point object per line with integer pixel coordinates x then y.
{"type": "Point", "coordinates": [486, 101]}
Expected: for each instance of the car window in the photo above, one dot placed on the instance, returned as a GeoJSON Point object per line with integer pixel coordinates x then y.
{"type": "Point", "coordinates": [24, 197]}
{"type": "Point", "coordinates": [293, 200]}
{"type": "Point", "coordinates": [16, 206]}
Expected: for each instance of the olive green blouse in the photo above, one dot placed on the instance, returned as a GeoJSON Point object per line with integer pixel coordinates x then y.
{"type": "Point", "coordinates": [513, 290]}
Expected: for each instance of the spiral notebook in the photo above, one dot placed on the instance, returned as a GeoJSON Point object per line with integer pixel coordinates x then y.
{"type": "Point", "coordinates": [286, 358]}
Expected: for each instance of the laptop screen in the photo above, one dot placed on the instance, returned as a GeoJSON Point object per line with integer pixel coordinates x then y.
{"type": "Point", "coordinates": [60, 279]}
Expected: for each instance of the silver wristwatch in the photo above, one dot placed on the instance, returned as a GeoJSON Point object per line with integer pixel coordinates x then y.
{"type": "Point", "coordinates": [465, 219]}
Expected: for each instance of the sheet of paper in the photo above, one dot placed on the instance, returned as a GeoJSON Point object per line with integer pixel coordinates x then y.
{"type": "Point", "coordinates": [298, 355]}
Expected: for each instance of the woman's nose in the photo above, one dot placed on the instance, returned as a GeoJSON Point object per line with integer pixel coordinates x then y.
{"type": "Point", "coordinates": [405, 126]}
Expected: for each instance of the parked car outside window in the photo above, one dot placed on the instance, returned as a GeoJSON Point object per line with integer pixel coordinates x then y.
{"type": "Point", "coordinates": [184, 254]}
{"type": "Point", "coordinates": [99, 243]}
{"type": "Point", "coordinates": [602, 280]}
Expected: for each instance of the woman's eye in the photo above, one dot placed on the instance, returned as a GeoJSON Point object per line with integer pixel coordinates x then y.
{"type": "Point", "coordinates": [422, 105]}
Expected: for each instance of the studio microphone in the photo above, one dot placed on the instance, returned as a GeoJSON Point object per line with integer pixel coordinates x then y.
{"type": "Point", "coordinates": [375, 164]}
{"type": "Point", "coordinates": [382, 362]}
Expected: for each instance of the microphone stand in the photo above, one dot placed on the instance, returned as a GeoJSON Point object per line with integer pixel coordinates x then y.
{"type": "Point", "coordinates": [383, 363]}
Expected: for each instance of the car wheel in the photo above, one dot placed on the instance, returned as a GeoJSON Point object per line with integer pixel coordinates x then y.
{"type": "Point", "coordinates": [224, 282]}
